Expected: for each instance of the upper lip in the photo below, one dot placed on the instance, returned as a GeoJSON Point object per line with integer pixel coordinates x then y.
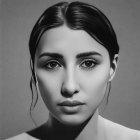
{"type": "Point", "coordinates": [70, 103]}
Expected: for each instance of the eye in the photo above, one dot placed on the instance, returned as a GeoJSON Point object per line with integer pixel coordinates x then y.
{"type": "Point", "coordinates": [52, 64]}
{"type": "Point", "coordinates": [88, 64]}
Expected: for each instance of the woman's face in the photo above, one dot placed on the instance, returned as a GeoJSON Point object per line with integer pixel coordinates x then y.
{"type": "Point", "coordinates": [72, 70]}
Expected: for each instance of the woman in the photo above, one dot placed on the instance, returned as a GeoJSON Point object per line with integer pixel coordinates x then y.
{"type": "Point", "coordinates": [74, 55]}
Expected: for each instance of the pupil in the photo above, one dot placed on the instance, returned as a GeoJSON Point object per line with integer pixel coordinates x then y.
{"type": "Point", "coordinates": [88, 63]}
{"type": "Point", "coordinates": [53, 64]}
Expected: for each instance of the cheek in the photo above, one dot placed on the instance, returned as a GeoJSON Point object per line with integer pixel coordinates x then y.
{"type": "Point", "coordinates": [49, 86]}
{"type": "Point", "coordinates": [94, 84]}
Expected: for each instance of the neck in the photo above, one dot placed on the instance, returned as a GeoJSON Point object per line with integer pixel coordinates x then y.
{"type": "Point", "coordinates": [92, 129]}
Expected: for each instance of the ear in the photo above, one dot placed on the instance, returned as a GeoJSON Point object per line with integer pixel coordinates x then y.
{"type": "Point", "coordinates": [113, 67]}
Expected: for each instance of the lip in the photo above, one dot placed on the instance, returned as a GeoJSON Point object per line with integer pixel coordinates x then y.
{"type": "Point", "coordinates": [70, 107]}
{"type": "Point", "coordinates": [71, 103]}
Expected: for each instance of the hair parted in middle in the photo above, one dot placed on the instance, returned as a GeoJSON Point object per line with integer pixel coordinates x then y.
{"type": "Point", "coordinates": [76, 16]}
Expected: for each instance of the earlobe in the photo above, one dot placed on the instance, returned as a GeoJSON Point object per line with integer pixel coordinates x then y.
{"type": "Point", "coordinates": [113, 67]}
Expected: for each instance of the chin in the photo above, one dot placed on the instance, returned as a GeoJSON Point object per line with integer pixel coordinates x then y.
{"type": "Point", "coordinates": [72, 120]}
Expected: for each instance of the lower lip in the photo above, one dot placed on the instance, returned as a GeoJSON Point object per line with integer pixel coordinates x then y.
{"type": "Point", "coordinates": [71, 109]}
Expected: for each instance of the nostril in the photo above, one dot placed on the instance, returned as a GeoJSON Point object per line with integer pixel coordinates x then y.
{"type": "Point", "coordinates": [69, 86]}
{"type": "Point", "coordinates": [76, 91]}
{"type": "Point", "coordinates": [68, 93]}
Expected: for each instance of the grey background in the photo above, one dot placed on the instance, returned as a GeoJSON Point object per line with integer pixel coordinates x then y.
{"type": "Point", "coordinates": [18, 18]}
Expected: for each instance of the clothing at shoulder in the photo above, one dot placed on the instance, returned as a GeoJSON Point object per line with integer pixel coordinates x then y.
{"type": "Point", "coordinates": [116, 131]}
{"type": "Point", "coordinates": [113, 131]}
{"type": "Point", "coordinates": [22, 136]}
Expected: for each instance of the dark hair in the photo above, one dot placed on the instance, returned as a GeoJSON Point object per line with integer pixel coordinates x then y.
{"type": "Point", "coordinates": [76, 16]}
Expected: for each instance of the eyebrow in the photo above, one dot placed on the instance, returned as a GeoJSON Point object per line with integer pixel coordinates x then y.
{"type": "Point", "coordinates": [54, 55]}
{"type": "Point", "coordinates": [59, 56]}
{"type": "Point", "coordinates": [85, 54]}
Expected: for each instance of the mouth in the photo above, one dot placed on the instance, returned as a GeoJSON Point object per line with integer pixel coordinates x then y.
{"type": "Point", "coordinates": [70, 107]}
{"type": "Point", "coordinates": [71, 103]}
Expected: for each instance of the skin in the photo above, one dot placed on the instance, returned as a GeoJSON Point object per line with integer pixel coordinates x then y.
{"type": "Point", "coordinates": [71, 77]}
{"type": "Point", "coordinates": [74, 77]}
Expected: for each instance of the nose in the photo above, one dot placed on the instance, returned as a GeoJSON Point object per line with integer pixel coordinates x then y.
{"type": "Point", "coordinates": [70, 85]}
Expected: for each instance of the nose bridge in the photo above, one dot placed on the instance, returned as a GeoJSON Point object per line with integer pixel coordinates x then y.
{"type": "Point", "coordinates": [70, 84]}
{"type": "Point", "coordinates": [70, 77]}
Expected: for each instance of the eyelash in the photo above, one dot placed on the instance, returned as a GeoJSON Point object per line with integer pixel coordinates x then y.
{"type": "Point", "coordinates": [94, 63]}
{"type": "Point", "coordinates": [57, 64]}
{"type": "Point", "coordinates": [48, 67]}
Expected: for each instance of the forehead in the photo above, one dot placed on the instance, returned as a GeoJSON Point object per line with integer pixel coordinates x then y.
{"type": "Point", "coordinates": [67, 41]}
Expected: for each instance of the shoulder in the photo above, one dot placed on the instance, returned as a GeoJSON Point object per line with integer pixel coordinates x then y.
{"type": "Point", "coordinates": [23, 136]}
{"type": "Point", "coordinates": [35, 134]}
{"type": "Point", "coordinates": [119, 132]}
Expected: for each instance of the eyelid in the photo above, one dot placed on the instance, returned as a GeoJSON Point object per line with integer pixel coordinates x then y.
{"type": "Point", "coordinates": [49, 68]}
{"type": "Point", "coordinates": [89, 59]}
{"type": "Point", "coordinates": [60, 64]}
{"type": "Point", "coordinates": [53, 60]}
{"type": "Point", "coordinates": [86, 59]}
{"type": "Point", "coordinates": [45, 61]}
